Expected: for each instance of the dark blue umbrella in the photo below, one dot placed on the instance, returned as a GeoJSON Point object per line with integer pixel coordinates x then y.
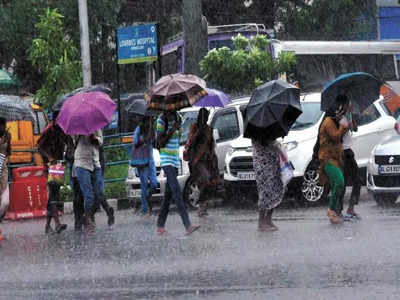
{"type": "Point", "coordinates": [361, 88]}
{"type": "Point", "coordinates": [214, 98]}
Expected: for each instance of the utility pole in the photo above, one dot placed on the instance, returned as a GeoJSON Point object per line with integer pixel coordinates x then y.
{"type": "Point", "coordinates": [85, 48]}
{"type": "Point", "coordinates": [195, 35]}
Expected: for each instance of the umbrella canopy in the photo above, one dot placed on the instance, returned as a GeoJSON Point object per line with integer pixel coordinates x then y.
{"type": "Point", "coordinates": [14, 108]}
{"type": "Point", "coordinates": [272, 110]}
{"type": "Point", "coordinates": [214, 98]}
{"type": "Point", "coordinates": [6, 79]}
{"type": "Point", "coordinates": [138, 108]}
{"type": "Point", "coordinates": [175, 91]}
{"type": "Point", "coordinates": [95, 88]}
{"type": "Point", "coordinates": [362, 89]}
{"type": "Point", "coordinates": [85, 112]}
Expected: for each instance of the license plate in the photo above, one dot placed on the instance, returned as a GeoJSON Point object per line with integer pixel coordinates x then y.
{"type": "Point", "coordinates": [247, 176]}
{"type": "Point", "coordinates": [388, 169]}
{"type": "Point", "coordinates": [134, 193]}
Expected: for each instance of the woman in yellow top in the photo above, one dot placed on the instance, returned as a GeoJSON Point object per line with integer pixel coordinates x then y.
{"type": "Point", "coordinates": [330, 155]}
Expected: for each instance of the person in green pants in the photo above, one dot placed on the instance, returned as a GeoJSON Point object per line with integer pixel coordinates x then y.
{"type": "Point", "coordinates": [330, 155]}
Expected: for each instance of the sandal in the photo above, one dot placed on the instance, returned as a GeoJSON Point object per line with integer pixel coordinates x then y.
{"type": "Point", "coordinates": [161, 231]}
{"type": "Point", "coordinates": [61, 227]}
{"type": "Point", "coordinates": [191, 229]}
{"type": "Point", "coordinates": [333, 217]}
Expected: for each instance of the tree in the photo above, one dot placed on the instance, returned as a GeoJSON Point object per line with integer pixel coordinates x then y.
{"type": "Point", "coordinates": [56, 56]}
{"type": "Point", "coordinates": [244, 68]}
{"type": "Point", "coordinates": [195, 35]}
{"type": "Point", "coordinates": [327, 20]}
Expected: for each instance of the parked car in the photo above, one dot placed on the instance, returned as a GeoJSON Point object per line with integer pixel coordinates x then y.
{"type": "Point", "coordinates": [228, 126]}
{"type": "Point", "coordinates": [375, 125]}
{"type": "Point", "coordinates": [383, 172]}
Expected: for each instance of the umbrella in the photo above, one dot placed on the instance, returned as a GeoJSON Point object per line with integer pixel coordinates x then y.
{"type": "Point", "coordinates": [214, 98]}
{"type": "Point", "coordinates": [14, 108]}
{"type": "Point", "coordinates": [85, 112]}
{"type": "Point", "coordinates": [175, 91]}
{"type": "Point", "coordinates": [6, 79]}
{"type": "Point", "coordinates": [362, 89]}
{"type": "Point", "coordinates": [272, 110]}
{"type": "Point", "coordinates": [138, 108]}
{"type": "Point", "coordinates": [95, 88]}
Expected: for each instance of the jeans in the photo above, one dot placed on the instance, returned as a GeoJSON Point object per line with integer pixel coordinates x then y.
{"type": "Point", "coordinates": [172, 190]}
{"type": "Point", "coordinates": [92, 187]}
{"type": "Point", "coordinates": [146, 175]}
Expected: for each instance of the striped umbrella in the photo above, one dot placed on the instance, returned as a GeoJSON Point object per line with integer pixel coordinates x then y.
{"type": "Point", "coordinates": [14, 108]}
{"type": "Point", "coordinates": [175, 91]}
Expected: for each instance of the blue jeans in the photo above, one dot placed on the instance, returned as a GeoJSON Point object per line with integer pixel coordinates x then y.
{"type": "Point", "coordinates": [92, 187]}
{"type": "Point", "coordinates": [172, 190]}
{"type": "Point", "coordinates": [146, 176]}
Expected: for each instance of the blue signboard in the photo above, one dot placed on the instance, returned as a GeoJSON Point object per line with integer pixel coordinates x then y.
{"type": "Point", "coordinates": [137, 43]}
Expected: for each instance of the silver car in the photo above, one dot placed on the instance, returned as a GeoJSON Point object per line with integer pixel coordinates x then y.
{"type": "Point", "coordinates": [383, 172]}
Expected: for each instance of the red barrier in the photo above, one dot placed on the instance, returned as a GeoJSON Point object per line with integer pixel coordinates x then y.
{"type": "Point", "coordinates": [28, 193]}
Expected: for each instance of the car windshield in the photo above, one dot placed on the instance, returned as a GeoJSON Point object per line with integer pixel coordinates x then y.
{"type": "Point", "coordinates": [311, 114]}
{"type": "Point", "coordinates": [188, 118]}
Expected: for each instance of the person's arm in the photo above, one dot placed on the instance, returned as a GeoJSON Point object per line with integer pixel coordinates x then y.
{"type": "Point", "coordinates": [137, 140]}
{"type": "Point", "coordinates": [334, 133]}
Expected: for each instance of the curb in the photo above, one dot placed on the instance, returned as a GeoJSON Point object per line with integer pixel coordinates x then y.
{"type": "Point", "coordinates": [122, 204]}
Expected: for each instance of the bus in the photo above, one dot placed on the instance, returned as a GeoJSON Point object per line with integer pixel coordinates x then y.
{"type": "Point", "coordinates": [218, 36]}
{"type": "Point", "coordinates": [319, 62]}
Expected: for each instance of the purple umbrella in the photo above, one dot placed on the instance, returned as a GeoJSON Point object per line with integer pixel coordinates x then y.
{"type": "Point", "coordinates": [214, 98]}
{"type": "Point", "coordinates": [85, 112]}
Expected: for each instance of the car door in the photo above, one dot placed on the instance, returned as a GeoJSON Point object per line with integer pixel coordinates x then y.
{"type": "Point", "coordinates": [368, 134]}
{"type": "Point", "coordinates": [227, 123]}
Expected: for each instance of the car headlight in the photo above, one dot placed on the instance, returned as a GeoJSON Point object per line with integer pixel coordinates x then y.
{"type": "Point", "coordinates": [230, 151]}
{"type": "Point", "coordinates": [131, 172]}
{"type": "Point", "coordinates": [372, 156]}
{"type": "Point", "coordinates": [290, 145]}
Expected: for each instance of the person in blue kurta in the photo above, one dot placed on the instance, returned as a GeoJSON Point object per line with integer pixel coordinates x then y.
{"type": "Point", "coordinates": [144, 136]}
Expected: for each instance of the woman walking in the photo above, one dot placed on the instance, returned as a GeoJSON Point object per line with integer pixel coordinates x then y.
{"type": "Point", "coordinates": [270, 187]}
{"type": "Point", "coordinates": [143, 140]}
{"type": "Point", "coordinates": [330, 155]}
{"type": "Point", "coordinates": [5, 152]}
{"type": "Point", "coordinates": [203, 161]}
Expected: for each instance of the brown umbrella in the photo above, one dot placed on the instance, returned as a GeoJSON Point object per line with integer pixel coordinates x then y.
{"type": "Point", "coordinates": [175, 91]}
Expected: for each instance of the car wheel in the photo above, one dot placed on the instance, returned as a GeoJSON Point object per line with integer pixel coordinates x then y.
{"type": "Point", "coordinates": [385, 199]}
{"type": "Point", "coordinates": [311, 190]}
{"type": "Point", "coordinates": [191, 194]}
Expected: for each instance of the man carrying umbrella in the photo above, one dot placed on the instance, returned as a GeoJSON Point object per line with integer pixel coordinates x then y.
{"type": "Point", "coordinates": [169, 94]}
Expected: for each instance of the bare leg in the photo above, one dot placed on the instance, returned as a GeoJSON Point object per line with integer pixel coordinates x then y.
{"type": "Point", "coordinates": [269, 220]}
{"type": "Point", "coordinates": [262, 220]}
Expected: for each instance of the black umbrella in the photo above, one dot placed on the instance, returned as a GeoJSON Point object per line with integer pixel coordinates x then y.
{"type": "Point", "coordinates": [95, 88]}
{"type": "Point", "coordinates": [14, 108]}
{"type": "Point", "coordinates": [272, 110]}
{"type": "Point", "coordinates": [138, 108]}
{"type": "Point", "coordinates": [362, 89]}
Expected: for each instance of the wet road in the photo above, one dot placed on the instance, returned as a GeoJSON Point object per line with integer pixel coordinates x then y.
{"type": "Point", "coordinates": [227, 259]}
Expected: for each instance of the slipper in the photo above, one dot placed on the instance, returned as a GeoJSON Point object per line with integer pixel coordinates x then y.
{"type": "Point", "coordinates": [191, 229]}
{"type": "Point", "coordinates": [161, 231]}
{"type": "Point", "coordinates": [61, 227]}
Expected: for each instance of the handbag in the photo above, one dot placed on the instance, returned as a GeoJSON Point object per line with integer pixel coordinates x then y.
{"type": "Point", "coordinates": [286, 166]}
{"type": "Point", "coordinates": [56, 173]}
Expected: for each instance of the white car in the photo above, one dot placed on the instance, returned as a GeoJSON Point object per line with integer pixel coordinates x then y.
{"type": "Point", "coordinates": [383, 172]}
{"type": "Point", "coordinates": [227, 123]}
{"type": "Point", "coordinates": [374, 125]}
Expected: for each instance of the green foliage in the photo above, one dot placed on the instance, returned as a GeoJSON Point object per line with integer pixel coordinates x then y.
{"type": "Point", "coordinates": [246, 67]}
{"type": "Point", "coordinates": [328, 20]}
{"type": "Point", "coordinates": [56, 56]}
